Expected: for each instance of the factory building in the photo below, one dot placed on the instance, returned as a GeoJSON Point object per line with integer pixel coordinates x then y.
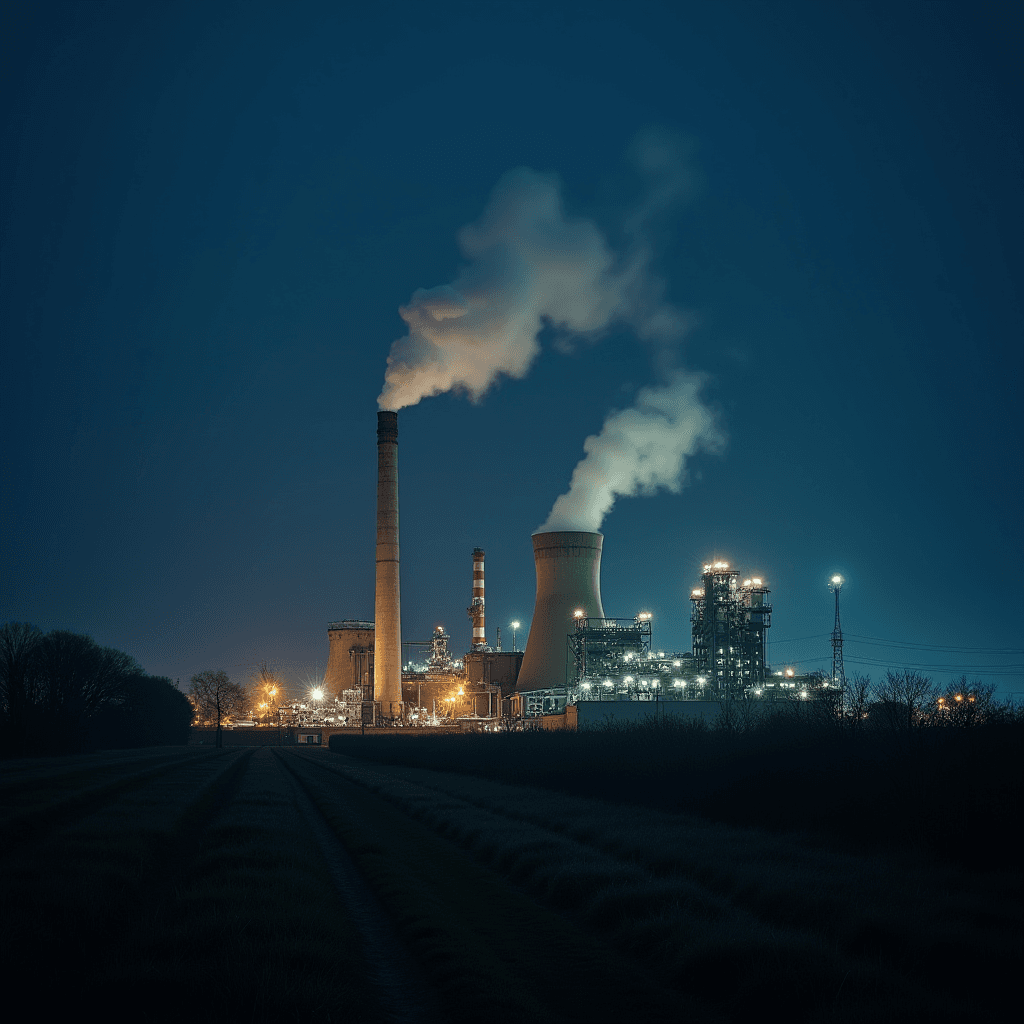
{"type": "Point", "coordinates": [574, 655]}
{"type": "Point", "coordinates": [729, 621]}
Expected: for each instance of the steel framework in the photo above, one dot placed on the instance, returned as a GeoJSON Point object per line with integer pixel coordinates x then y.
{"type": "Point", "coordinates": [729, 622]}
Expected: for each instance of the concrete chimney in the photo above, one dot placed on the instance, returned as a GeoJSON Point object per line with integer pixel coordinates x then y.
{"type": "Point", "coordinates": [568, 580]}
{"type": "Point", "coordinates": [476, 608]}
{"type": "Point", "coordinates": [387, 655]}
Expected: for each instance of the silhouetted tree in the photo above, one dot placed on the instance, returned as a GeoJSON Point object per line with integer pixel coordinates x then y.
{"type": "Point", "coordinates": [963, 704]}
{"type": "Point", "coordinates": [64, 686]}
{"type": "Point", "coordinates": [266, 692]}
{"type": "Point", "coordinates": [215, 697]}
{"type": "Point", "coordinates": [76, 676]}
{"type": "Point", "coordinates": [19, 642]}
{"type": "Point", "coordinates": [858, 697]}
{"type": "Point", "coordinates": [904, 700]}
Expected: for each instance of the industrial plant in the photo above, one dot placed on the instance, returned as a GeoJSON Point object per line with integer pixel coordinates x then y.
{"type": "Point", "coordinates": [579, 664]}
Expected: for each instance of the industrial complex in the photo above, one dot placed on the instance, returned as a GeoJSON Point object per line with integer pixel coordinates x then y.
{"type": "Point", "coordinates": [579, 664]}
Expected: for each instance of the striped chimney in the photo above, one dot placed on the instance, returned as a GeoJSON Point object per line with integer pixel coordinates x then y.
{"type": "Point", "coordinates": [476, 609]}
{"type": "Point", "coordinates": [387, 654]}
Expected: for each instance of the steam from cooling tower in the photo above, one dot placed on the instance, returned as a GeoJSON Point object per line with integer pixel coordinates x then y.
{"type": "Point", "coordinates": [530, 265]}
{"type": "Point", "coordinates": [639, 451]}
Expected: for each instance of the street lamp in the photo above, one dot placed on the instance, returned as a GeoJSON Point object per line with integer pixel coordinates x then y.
{"type": "Point", "coordinates": [515, 626]}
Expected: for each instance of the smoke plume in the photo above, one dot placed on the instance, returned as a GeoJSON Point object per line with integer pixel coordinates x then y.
{"type": "Point", "coordinates": [639, 451]}
{"type": "Point", "coordinates": [529, 266]}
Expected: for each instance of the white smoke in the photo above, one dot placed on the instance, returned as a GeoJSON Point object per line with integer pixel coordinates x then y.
{"type": "Point", "coordinates": [639, 451]}
{"type": "Point", "coordinates": [529, 266]}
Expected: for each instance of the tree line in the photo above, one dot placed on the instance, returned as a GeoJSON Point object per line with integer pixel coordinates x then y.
{"type": "Point", "coordinates": [61, 692]}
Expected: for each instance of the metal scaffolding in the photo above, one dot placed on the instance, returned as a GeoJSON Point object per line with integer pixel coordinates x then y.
{"type": "Point", "coordinates": [729, 621]}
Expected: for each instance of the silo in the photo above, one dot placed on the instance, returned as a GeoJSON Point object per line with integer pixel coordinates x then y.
{"type": "Point", "coordinates": [350, 658]}
{"type": "Point", "coordinates": [568, 580]}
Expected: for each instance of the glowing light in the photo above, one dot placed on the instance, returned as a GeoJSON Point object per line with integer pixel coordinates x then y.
{"type": "Point", "coordinates": [317, 694]}
{"type": "Point", "coordinates": [757, 582]}
{"type": "Point", "coordinates": [747, 583]}
{"type": "Point", "coordinates": [677, 663]}
{"type": "Point", "coordinates": [837, 580]}
{"type": "Point", "coordinates": [515, 625]}
{"type": "Point", "coordinates": [578, 613]}
{"type": "Point", "coordinates": [959, 696]}
{"type": "Point", "coordinates": [586, 686]}
{"type": "Point", "coordinates": [644, 616]}
{"type": "Point", "coordinates": [790, 672]}
{"type": "Point", "coordinates": [628, 679]}
{"type": "Point", "coordinates": [803, 693]}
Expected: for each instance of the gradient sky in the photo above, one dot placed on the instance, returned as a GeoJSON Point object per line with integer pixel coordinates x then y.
{"type": "Point", "coordinates": [212, 213]}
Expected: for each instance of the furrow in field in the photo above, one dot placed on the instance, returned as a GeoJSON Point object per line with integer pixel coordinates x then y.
{"type": "Point", "coordinates": [404, 996]}
{"type": "Point", "coordinates": [788, 881]}
{"type": "Point", "coordinates": [671, 918]}
{"type": "Point", "coordinates": [42, 811]}
{"type": "Point", "coordinates": [198, 895]}
{"type": "Point", "coordinates": [492, 952]}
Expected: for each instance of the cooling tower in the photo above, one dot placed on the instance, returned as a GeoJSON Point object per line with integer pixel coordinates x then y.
{"type": "Point", "coordinates": [568, 579]}
{"type": "Point", "coordinates": [387, 654]}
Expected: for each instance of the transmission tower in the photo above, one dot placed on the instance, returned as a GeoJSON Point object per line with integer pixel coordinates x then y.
{"type": "Point", "coordinates": [838, 674]}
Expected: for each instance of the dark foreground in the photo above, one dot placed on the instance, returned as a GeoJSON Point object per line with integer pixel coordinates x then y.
{"type": "Point", "coordinates": [285, 884]}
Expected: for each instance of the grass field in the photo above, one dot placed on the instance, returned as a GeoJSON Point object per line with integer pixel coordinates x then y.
{"type": "Point", "coordinates": [296, 884]}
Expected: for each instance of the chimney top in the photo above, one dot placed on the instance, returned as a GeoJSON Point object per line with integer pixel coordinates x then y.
{"type": "Point", "coordinates": [387, 427]}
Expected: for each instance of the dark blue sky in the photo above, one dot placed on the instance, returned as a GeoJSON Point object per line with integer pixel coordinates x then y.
{"type": "Point", "coordinates": [212, 213]}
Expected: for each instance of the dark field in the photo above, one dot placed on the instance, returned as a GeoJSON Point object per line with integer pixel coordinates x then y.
{"type": "Point", "coordinates": [298, 884]}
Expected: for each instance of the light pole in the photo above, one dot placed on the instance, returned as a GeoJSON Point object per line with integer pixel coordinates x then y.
{"type": "Point", "coordinates": [515, 626]}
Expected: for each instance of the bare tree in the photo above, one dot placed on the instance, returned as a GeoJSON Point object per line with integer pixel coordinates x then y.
{"type": "Point", "coordinates": [77, 677]}
{"type": "Point", "coordinates": [216, 698]}
{"type": "Point", "coordinates": [858, 695]}
{"type": "Point", "coordinates": [266, 692]}
{"type": "Point", "coordinates": [19, 642]}
{"type": "Point", "coordinates": [905, 698]}
{"type": "Point", "coordinates": [963, 704]}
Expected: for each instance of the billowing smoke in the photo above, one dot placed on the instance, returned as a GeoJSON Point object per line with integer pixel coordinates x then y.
{"type": "Point", "coordinates": [529, 266]}
{"type": "Point", "coordinates": [639, 451]}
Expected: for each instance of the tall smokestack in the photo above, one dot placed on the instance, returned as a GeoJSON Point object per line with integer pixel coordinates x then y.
{"type": "Point", "coordinates": [387, 654]}
{"type": "Point", "coordinates": [476, 608]}
{"type": "Point", "coordinates": [568, 580]}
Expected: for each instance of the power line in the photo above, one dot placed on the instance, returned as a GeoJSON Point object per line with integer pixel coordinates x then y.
{"type": "Point", "coordinates": [936, 647]}
{"type": "Point", "coordinates": [793, 640]}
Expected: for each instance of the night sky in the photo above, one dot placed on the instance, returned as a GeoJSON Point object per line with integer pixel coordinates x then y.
{"type": "Point", "coordinates": [213, 212]}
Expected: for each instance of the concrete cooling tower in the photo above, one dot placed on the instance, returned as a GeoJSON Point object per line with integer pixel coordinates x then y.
{"type": "Point", "coordinates": [568, 580]}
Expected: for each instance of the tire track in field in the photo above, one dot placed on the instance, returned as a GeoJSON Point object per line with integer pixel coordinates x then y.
{"type": "Point", "coordinates": [380, 942]}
